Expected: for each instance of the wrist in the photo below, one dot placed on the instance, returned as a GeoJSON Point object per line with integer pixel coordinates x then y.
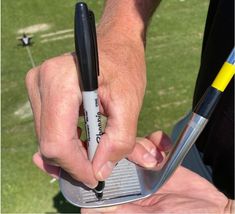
{"type": "Point", "coordinates": [121, 31]}
{"type": "Point", "coordinates": [116, 32]}
{"type": "Point", "coordinates": [126, 19]}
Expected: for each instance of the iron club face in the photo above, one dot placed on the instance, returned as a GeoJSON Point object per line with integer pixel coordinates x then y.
{"type": "Point", "coordinates": [130, 182]}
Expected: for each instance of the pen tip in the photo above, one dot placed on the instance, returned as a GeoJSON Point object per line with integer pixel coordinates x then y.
{"type": "Point", "coordinates": [99, 196]}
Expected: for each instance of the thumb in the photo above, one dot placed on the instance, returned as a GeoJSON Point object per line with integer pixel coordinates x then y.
{"type": "Point", "coordinates": [117, 141]}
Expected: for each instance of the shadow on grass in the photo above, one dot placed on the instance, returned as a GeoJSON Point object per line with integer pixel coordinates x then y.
{"type": "Point", "coordinates": [63, 206]}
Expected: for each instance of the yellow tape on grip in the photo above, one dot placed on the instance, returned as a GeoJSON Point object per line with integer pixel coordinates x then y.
{"type": "Point", "coordinates": [224, 76]}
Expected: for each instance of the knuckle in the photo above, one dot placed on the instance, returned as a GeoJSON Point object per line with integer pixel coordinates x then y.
{"type": "Point", "coordinates": [48, 64]}
{"type": "Point", "coordinates": [55, 78]}
{"type": "Point", "coordinates": [48, 67]}
{"type": "Point", "coordinates": [122, 147]}
{"type": "Point", "coordinates": [30, 77]}
{"type": "Point", "coordinates": [57, 69]}
{"type": "Point", "coordinates": [50, 151]}
{"type": "Point", "coordinates": [128, 147]}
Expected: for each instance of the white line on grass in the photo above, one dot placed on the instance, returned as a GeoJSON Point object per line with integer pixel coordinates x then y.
{"type": "Point", "coordinates": [171, 104]}
{"type": "Point", "coordinates": [58, 38]}
{"type": "Point", "coordinates": [166, 91]}
{"type": "Point", "coordinates": [34, 28]}
{"type": "Point", "coordinates": [56, 33]}
{"type": "Point", "coordinates": [30, 56]}
{"type": "Point", "coordinates": [24, 111]}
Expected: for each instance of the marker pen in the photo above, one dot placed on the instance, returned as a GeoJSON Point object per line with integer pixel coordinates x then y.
{"type": "Point", "coordinates": [87, 54]}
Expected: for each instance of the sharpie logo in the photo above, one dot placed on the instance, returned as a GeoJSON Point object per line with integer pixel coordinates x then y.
{"type": "Point", "coordinates": [86, 116]}
{"type": "Point", "coordinates": [98, 117]}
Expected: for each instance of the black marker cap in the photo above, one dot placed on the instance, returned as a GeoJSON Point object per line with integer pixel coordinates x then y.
{"type": "Point", "coordinates": [86, 46]}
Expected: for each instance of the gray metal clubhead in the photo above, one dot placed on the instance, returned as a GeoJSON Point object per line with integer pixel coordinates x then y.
{"type": "Point", "coordinates": [130, 182]}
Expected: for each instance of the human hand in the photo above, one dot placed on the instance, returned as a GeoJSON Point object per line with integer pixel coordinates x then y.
{"type": "Point", "coordinates": [55, 98]}
{"type": "Point", "coordinates": [184, 192]}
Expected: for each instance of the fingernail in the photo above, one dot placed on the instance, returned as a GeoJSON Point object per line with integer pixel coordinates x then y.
{"type": "Point", "coordinates": [150, 161]}
{"type": "Point", "coordinates": [105, 171]}
{"type": "Point", "coordinates": [157, 155]}
{"type": "Point", "coordinates": [153, 152]}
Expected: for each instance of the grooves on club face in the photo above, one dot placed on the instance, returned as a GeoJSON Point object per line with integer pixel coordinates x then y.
{"type": "Point", "coordinates": [130, 182]}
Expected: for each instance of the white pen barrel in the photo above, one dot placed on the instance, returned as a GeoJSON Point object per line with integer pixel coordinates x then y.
{"type": "Point", "coordinates": [92, 121]}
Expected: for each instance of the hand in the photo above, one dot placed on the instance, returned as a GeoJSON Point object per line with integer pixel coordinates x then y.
{"type": "Point", "coordinates": [55, 98]}
{"type": "Point", "coordinates": [184, 192]}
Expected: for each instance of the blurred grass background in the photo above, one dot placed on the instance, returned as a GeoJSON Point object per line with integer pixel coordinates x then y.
{"type": "Point", "coordinates": [173, 57]}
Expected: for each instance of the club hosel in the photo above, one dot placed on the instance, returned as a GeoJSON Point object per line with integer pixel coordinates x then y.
{"type": "Point", "coordinates": [208, 102]}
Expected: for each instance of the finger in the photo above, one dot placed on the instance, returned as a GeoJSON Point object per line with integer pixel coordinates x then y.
{"type": "Point", "coordinates": [116, 143]}
{"type": "Point", "coordinates": [151, 148]}
{"type": "Point", "coordinates": [53, 171]}
{"type": "Point", "coordinates": [32, 85]}
{"type": "Point", "coordinates": [143, 157]}
{"type": "Point", "coordinates": [161, 140]}
{"type": "Point", "coordinates": [71, 159]}
{"type": "Point", "coordinates": [60, 101]}
{"type": "Point", "coordinates": [147, 144]}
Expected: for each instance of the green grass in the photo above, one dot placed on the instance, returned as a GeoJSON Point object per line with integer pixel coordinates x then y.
{"type": "Point", "coordinates": [173, 57]}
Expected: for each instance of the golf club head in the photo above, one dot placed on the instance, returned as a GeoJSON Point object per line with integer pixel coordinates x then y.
{"type": "Point", "coordinates": [129, 182]}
